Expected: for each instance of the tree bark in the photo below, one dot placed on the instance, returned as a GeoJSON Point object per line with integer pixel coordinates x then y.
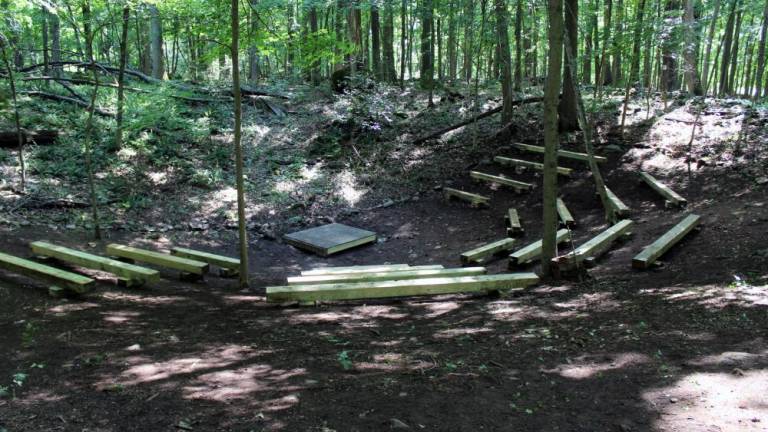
{"type": "Point", "coordinates": [55, 35]}
{"type": "Point", "coordinates": [689, 51]}
{"type": "Point", "coordinates": [761, 53]}
{"type": "Point", "coordinates": [426, 76]}
{"type": "Point", "coordinates": [388, 48]}
{"type": "Point", "coordinates": [88, 141]}
{"type": "Point", "coordinates": [568, 120]}
{"type": "Point", "coordinates": [727, 38]}
{"type": "Point", "coordinates": [376, 42]}
{"type": "Point", "coordinates": [156, 38]}
{"type": "Point", "coordinates": [240, 183]}
{"type": "Point", "coordinates": [710, 38]}
{"type": "Point", "coordinates": [735, 52]}
{"type": "Point", "coordinates": [504, 60]}
{"type": "Point", "coordinates": [669, 79]}
{"type": "Point", "coordinates": [121, 78]}
{"type": "Point", "coordinates": [452, 63]}
{"type": "Point", "coordinates": [551, 136]}
{"type": "Point", "coordinates": [17, 120]}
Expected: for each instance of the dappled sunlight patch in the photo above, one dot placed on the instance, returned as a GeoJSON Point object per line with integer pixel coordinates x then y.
{"type": "Point", "coordinates": [230, 300]}
{"type": "Point", "coordinates": [732, 359]}
{"type": "Point", "coordinates": [243, 382]}
{"type": "Point", "coordinates": [436, 309]}
{"type": "Point", "coordinates": [348, 188]}
{"type": "Point", "coordinates": [587, 366]}
{"type": "Point", "coordinates": [36, 397]}
{"type": "Point", "coordinates": [715, 296]}
{"type": "Point", "coordinates": [220, 357]}
{"type": "Point", "coordinates": [720, 401]}
{"type": "Point", "coordinates": [63, 309]}
{"type": "Point", "coordinates": [456, 332]}
{"type": "Point", "coordinates": [594, 302]}
{"type": "Point", "coordinates": [142, 299]}
{"type": "Point", "coordinates": [393, 362]}
{"type": "Point", "coordinates": [357, 314]}
{"type": "Point", "coordinates": [515, 311]}
{"type": "Point", "coordinates": [120, 317]}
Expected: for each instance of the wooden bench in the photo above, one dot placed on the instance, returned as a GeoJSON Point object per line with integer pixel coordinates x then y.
{"type": "Point", "coordinates": [129, 274]}
{"type": "Point", "coordinates": [528, 164]}
{"type": "Point", "coordinates": [594, 247]}
{"type": "Point", "coordinates": [186, 266]}
{"type": "Point", "coordinates": [382, 276]}
{"type": "Point", "coordinates": [518, 186]}
{"type": "Point", "coordinates": [532, 252]}
{"type": "Point", "coordinates": [482, 253]}
{"type": "Point", "coordinates": [400, 288]}
{"type": "Point", "coordinates": [59, 278]}
{"type": "Point", "coordinates": [512, 220]}
{"type": "Point", "coordinates": [561, 153]}
{"type": "Point", "coordinates": [229, 267]}
{"type": "Point", "coordinates": [617, 206]}
{"type": "Point", "coordinates": [652, 252]}
{"type": "Point", "coordinates": [367, 269]}
{"type": "Point", "coordinates": [474, 199]}
{"type": "Point", "coordinates": [672, 198]}
{"type": "Point", "coordinates": [566, 219]}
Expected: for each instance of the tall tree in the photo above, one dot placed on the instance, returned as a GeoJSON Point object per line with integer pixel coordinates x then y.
{"type": "Point", "coordinates": [551, 137]}
{"type": "Point", "coordinates": [375, 41]}
{"type": "Point", "coordinates": [55, 36]}
{"type": "Point", "coordinates": [761, 53]}
{"type": "Point", "coordinates": [519, 45]}
{"type": "Point", "coordinates": [16, 118]}
{"type": "Point", "coordinates": [388, 42]}
{"type": "Point", "coordinates": [689, 51]}
{"type": "Point", "coordinates": [505, 61]}
{"type": "Point", "coordinates": [427, 62]}
{"type": "Point", "coordinates": [710, 38]}
{"type": "Point", "coordinates": [240, 183]}
{"type": "Point", "coordinates": [452, 60]}
{"type": "Point", "coordinates": [669, 75]}
{"type": "Point", "coordinates": [568, 120]}
{"type": "Point", "coordinates": [88, 141]}
{"type": "Point", "coordinates": [121, 77]}
{"type": "Point", "coordinates": [727, 40]}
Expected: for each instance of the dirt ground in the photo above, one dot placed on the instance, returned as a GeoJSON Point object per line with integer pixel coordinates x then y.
{"type": "Point", "coordinates": [683, 347]}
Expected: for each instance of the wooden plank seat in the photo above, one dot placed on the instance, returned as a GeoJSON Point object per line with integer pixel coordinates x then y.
{"type": "Point", "coordinates": [617, 206]}
{"type": "Point", "coordinates": [59, 278]}
{"type": "Point", "coordinates": [367, 269]}
{"type": "Point", "coordinates": [185, 265]}
{"type": "Point", "coordinates": [561, 153]}
{"type": "Point", "coordinates": [671, 197]}
{"type": "Point", "coordinates": [382, 276]}
{"type": "Point", "coordinates": [652, 252]}
{"type": "Point", "coordinates": [483, 252]}
{"type": "Point", "coordinates": [514, 227]}
{"type": "Point", "coordinates": [474, 199]}
{"type": "Point", "coordinates": [518, 186]}
{"type": "Point", "coordinates": [131, 275]}
{"type": "Point", "coordinates": [594, 247]}
{"type": "Point", "coordinates": [400, 288]}
{"type": "Point", "coordinates": [229, 267]}
{"type": "Point", "coordinates": [502, 160]}
{"type": "Point", "coordinates": [566, 219]}
{"type": "Point", "coordinates": [532, 252]}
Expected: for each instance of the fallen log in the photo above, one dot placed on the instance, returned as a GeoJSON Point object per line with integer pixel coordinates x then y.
{"type": "Point", "coordinates": [9, 139]}
{"type": "Point", "coordinates": [488, 113]}
{"type": "Point", "coordinates": [59, 98]}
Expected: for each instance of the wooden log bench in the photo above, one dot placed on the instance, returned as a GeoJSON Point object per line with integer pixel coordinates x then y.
{"type": "Point", "coordinates": [561, 153]}
{"type": "Point", "coordinates": [617, 206]}
{"type": "Point", "coordinates": [127, 274]}
{"type": "Point", "coordinates": [671, 197]}
{"type": "Point", "coordinates": [382, 276]}
{"type": "Point", "coordinates": [367, 269]}
{"type": "Point", "coordinates": [652, 252]}
{"type": "Point", "coordinates": [518, 186]}
{"type": "Point", "coordinates": [228, 267]}
{"type": "Point", "coordinates": [190, 269]}
{"type": "Point", "coordinates": [532, 252]}
{"type": "Point", "coordinates": [592, 248]}
{"type": "Point", "coordinates": [512, 219]}
{"type": "Point", "coordinates": [501, 160]}
{"type": "Point", "coordinates": [482, 253]}
{"type": "Point", "coordinates": [60, 279]}
{"type": "Point", "coordinates": [306, 294]}
{"type": "Point", "coordinates": [566, 219]}
{"type": "Point", "coordinates": [474, 199]}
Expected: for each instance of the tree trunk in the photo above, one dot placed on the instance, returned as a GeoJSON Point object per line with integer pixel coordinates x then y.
{"type": "Point", "coordinates": [669, 76]}
{"type": "Point", "coordinates": [355, 36]}
{"type": "Point", "coordinates": [375, 42]}
{"type": "Point", "coordinates": [17, 121]}
{"type": "Point", "coordinates": [710, 38]}
{"type": "Point", "coordinates": [240, 183]}
{"type": "Point", "coordinates": [403, 34]}
{"type": "Point", "coordinates": [426, 76]}
{"type": "Point", "coordinates": [121, 78]}
{"type": "Point", "coordinates": [519, 45]}
{"type": "Point", "coordinates": [314, 67]}
{"type": "Point", "coordinates": [735, 53]}
{"type": "Point", "coordinates": [727, 38]}
{"type": "Point", "coordinates": [634, 70]}
{"type": "Point", "coordinates": [55, 32]}
{"type": "Point", "coordinates": [88, 141]}
{"type": "Point", "coordinates": [253, 54]}
{"type": "Point", "coordinates": [618, 41]}
{"type": "Point", "coordinates": [551, 136]}
{"type": "Point", "coordinates": [586, 72]}
{"type": "Point", "coordinates": [505, 62]}
{"type": "Point", "coordinates": [602, 78]}
{"type": "Point", "coordinates": [44, 34]}
{"type": "Point", "coordinates": [388, 51]}
{"type": "Point", "coordinates": [469, 12]}
{"type": "Point", "coordinates": [689, 51]}
{"type": "Point", "coordinates": [761, 53]}
{"type": "Point", "coordinates": [568, 120]}
{"type": "Point", "coordinates": [452, 41]}
{"type": "Point", "coordinates": [156, 41]}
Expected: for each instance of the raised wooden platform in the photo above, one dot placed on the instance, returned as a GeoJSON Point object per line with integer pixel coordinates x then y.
{"type": "Point", "coordinates": [367, 269]}
{"type": "Point", "coordinates": [672, 198]}
{"type": "Point", "coordinates": [185, 265]}
{"type": "Point", "coordinates": [561, 153]}
{"type": "Point", "coordinates": [528, 164]}
{"type": "Point", "coordinates": [474, 199]}
{"type": "Point", "coordinates": [518, 186]}
{"type": "Point", "coordinates": [594, 247]}
{"type": "Point", "coordinates": [61, 279]}
{"type": "Point", "coordinates": [652, 252]}
{"type": "Point", "coordinates": [229, 266]}
{"type": "Point", "coordinates": [400, 288]}
{"type": "Point", "coordinates": [532, 252]}
{"type": "Point", "coordinates": [512, 220]}
{"type": "Point", "coordinates": [387, 275]}
{"type": "Point", "coordinates": [566, 218]}
{"type": "Point", "coordinates": [132, 274]}
{"type": "Point", "coordinates": [329, 239]}
{"type": "Point", "coordinates": [481, 253]}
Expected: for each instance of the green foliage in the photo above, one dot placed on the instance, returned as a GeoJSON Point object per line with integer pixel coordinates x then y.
{"type": "Point", "coordinates": [344, 360]}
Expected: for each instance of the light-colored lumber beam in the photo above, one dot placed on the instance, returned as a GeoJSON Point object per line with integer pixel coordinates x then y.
{"type": "Point", "coordinates": [474, 199]}
{"type": "Point", "coordinates": [518, 186]}
{"type": "Point", "coordinates": [513, 223]}
{"type": "Point", "coordinates": [151, 257]}
{"type": "Point", "coordinates": [652, 252]}
{"type": "Point", "coordinates": [672, 198]}
{"type": "Point", "coordinates": [481, 253]}
{"type": "Point", "coordinates": [594, 247]}
{"type": "Point", "coordinates": [72, 281]}
{"type": "Point", "coordinates": [502, 160]}
{"type": "Point", "coordinates": [565, 215]}
{"type": "Point", "coordinates": [212, 259]}
{"type": "Point", "coordinates": [532, 252]}
{"type": "Point", "coordinates": [367, 269]}
{"type": "Point", "coordinates": [382, 276]}
{"type": "Point", "coordinates": [561, 153]}
{"type": "Point", "coordinates": [137, 275]}
{"type": "Point", "coordinates": [617, 205]}
{"type": "Point", "coordinates": [400, 288]}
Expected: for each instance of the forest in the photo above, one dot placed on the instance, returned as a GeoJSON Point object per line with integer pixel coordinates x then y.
{"type": "Point", "coordinates": [369, 215]}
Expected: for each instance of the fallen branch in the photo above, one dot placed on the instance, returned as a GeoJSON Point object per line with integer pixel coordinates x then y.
{"type": "Point", "coordinates": [59, 98]}
{"type": "Point", "coordinates": [488, 113]}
